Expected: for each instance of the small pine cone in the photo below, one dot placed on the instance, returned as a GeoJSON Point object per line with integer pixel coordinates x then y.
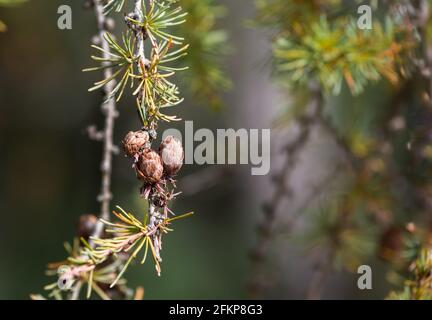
{"type": "Point", "coordinates": [86, 226]}
{"type": "Point", "coordinates": [134, 142]}
{"type": "Point", "coordinates": [172, 154]}
{"type": "Point", "coordinates": [149, 167]}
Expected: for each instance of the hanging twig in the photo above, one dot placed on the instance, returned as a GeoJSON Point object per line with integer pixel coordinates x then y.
{"type": "Point", "coordinates": [266, 230]}
{"type": "Point", "coordinates": [321, 272]}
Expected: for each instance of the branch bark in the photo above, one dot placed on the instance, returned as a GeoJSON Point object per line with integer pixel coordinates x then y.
{"type": "Point", "coordinates": [110, 112]}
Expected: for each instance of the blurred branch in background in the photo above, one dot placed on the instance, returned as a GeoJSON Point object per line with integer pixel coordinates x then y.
{"type": "Point", "coordinates": [110, 113]}
{"type": "Point", "coordinates": [266, 228]}
{"type": "Point", "coordinates": [354, 181]}
{"type": "Point", "coordinates": [8, 3]}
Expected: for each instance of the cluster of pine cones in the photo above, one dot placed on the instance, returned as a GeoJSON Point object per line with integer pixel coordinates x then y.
{"type": "Point", "coordinates": [152, 167]}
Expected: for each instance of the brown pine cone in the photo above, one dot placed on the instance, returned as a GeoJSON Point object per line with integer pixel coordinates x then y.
{"type": "Point", "coordinates": [134, 142]}
{"type": "Point", "coordinates": [149, 167]}
{"type": "Point", "coordinates": [172, 154]}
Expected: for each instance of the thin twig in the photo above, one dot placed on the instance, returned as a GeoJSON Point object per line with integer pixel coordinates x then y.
{"type": "Point", "coordinates": [140, 35]}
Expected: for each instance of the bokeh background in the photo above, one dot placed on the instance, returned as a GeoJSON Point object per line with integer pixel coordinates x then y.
{"type": "Point", "coordinates": [49, 169]}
